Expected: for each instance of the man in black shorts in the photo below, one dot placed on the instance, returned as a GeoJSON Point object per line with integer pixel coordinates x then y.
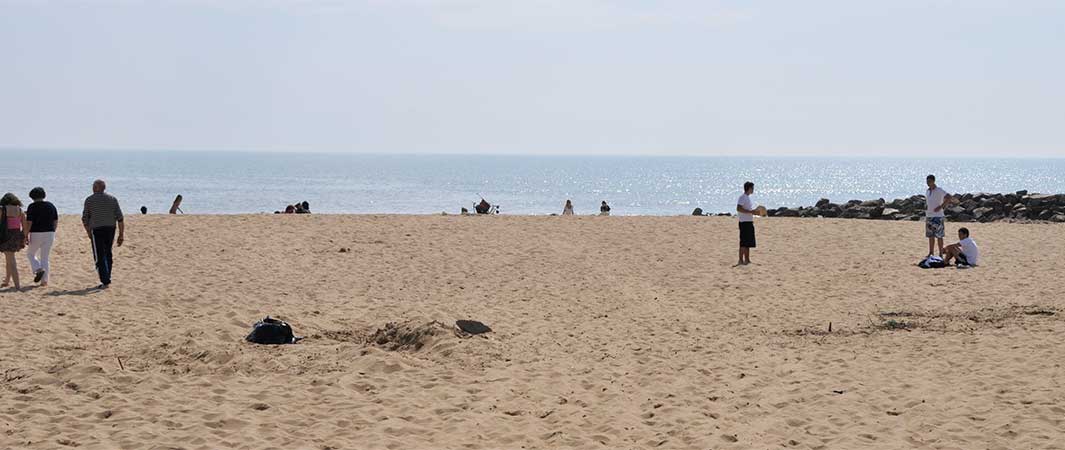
{"type": "Point", "coordinates": [745, 208]}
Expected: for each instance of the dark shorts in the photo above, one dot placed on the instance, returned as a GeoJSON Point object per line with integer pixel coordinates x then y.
{"type": "Point", "coordinates": [962, 259]}
{"type": "Point", "coordinates": [747, 235]}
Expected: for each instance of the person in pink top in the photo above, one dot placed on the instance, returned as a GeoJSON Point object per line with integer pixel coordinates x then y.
{"type": "Point", "coordinates": [14, 239]}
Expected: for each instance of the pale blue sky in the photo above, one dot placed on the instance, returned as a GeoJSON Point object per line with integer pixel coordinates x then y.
{"type": "Point", "coordinates": [900, 77]}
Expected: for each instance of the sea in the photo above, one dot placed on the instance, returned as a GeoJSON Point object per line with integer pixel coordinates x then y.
{"type": "Point", "coordinates": [243, 182]}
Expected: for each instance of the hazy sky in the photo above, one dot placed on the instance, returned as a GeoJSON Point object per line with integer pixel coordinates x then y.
{"type": "Point", "coordinates": [898, 77]}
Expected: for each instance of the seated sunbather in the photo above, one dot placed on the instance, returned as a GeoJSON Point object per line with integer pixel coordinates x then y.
{"type": "Point", "coordinates": [965, 252]}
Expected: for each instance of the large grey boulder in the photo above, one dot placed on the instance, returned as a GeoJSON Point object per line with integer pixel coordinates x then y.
{"type": "Point", "coordinates": [830, 210]}
{"type": "Point", "coordinates": [851, 213]}
{"type": "Point", "coordinates": [789, 212]}
{"type": "Point", "coordinates": [981, 212]}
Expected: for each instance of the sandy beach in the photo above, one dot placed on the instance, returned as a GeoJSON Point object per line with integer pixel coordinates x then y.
{"type": "Point", "coordinates": [609, 333]}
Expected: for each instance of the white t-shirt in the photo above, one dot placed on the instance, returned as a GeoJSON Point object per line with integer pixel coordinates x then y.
{"type": "Point", "coordinates": [934, 198]}
{"type": "Point", "coordinates": [970, 250]}
{"type": "Point", "coordinates": [745, 202]}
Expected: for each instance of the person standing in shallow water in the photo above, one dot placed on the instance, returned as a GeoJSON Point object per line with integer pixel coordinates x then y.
{"type": "Point", "coordinates": [604, 209]}
{"type": "Point", "coordinates": [101, 216]}
{"type": "Point", "coordinates": [745, 208]}
{"type": "Point", "coordinates": [41, 222]}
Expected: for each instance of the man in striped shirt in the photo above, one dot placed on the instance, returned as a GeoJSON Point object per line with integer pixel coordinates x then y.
{"type": "Point", "coordinates": [100, 217]}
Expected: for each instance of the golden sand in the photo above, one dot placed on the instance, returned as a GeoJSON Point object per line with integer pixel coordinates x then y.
{"type": "Point", "coordinates": [610, 332]}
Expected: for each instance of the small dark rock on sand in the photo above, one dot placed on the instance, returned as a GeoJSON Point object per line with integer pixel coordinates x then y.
{"type": "Point", "coordinates": [472, 326]}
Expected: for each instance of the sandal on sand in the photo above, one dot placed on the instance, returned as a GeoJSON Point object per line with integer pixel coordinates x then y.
{"type": "Point", "coordinates": [37, 277]}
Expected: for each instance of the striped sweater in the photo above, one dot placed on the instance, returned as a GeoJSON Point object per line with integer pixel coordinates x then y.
{"type": "Point", "coordinates": [101, 210]}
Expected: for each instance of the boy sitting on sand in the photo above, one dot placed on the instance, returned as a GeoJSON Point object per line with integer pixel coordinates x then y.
{"type": "Point", "coordinates": [965, 252]}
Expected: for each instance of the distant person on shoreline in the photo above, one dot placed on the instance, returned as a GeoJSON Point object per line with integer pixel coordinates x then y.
{"type": "Point", "coordinates": [965, 252]}
{"type": "Point", "coordinates": [176, 207]}
{"type": "Point", "coordinates": [568, 209]}
{"type": "Point", "coordinates": [14, 236]}
{"type": "Point", "coordinates": [483, 207]}
{"type": "Point", "coordinates": [101, 215]}
{"type": "Point", "coordinates": [303, 207]}
{"type": "Point", "coordinates": [936, 198]}
{"type": "Point", "coordinates": [41, 221]}
{"type": "Point", "coordinates": [290, 209]}
{"type": "Point", "coordinates": [604, 209]}
{"type": "Point", "coordinates": [746, 210]}
{"type": "Point", "coordinates": [144, 210]}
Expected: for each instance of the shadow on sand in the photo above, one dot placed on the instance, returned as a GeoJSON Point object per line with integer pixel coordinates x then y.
{"type": "Point", "coordinates": [24, 289]}
{"type": "Point", "coordinates": [85, 291]}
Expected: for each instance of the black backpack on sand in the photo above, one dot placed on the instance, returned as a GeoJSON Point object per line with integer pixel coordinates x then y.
{"type": "Point", "coordinates": [272, 332]}
{"type": "Point", "coordinates": [932, 262]}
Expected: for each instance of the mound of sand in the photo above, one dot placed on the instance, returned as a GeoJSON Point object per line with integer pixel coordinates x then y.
{"type": "Point", "coordinates": [409, 336]}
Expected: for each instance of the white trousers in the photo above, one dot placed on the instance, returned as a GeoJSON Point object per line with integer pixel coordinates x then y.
{"type": "Point", "coordinates": [38, 250]}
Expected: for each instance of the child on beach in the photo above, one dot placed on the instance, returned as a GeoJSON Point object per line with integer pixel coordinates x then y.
{"type": "Point", "coordinates": [965, 252]}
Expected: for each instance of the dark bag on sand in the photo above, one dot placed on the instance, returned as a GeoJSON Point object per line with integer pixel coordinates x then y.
{"type": "Point", "coordinates": [271, 331]}
{"type": "Point", "coordinates": [932, 262]}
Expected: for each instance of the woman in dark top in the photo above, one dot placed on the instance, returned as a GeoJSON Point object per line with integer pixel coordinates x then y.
{"type": "Point", "coordinates": [604, 209]}
{"type": "Point", "coordinates": [14, 236]}
{"type": "Point", "coordinates": [41, 220]}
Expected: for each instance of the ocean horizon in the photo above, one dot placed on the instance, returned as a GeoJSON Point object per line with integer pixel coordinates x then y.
{"type": "Point", "coordinates": [234, 182]}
